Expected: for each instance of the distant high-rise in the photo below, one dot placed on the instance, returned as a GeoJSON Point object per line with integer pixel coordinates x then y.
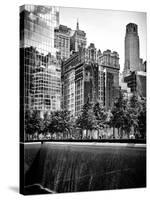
{"type": "Point", "coordinates": [132, 57]}
{"type": "Point", "coordinates": [62, 41]}
{"type": "Point", "coordinates": [109, 62]}
{"type": "Point", "coordinates": [134, 68]}
{"type": "Point", "coordinates": [78, 39]}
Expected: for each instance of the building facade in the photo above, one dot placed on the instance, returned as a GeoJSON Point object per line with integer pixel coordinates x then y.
{"type": "Point", "coordinates": [62, 41]}
{"type": "Point", "coordinates": [109, 61]}
{"type": "Point", "coordinates": [40, 74]}
{"type": "Point", "coordinates": [124, 87]}
{"type": "Point", "coordinates": [131, 48]}
{"type": "Point", "coordinates": [136, 81]}
{"type": "Point", "coordinates": [79, 82]}
{"type": "Point", "coordinates": [77, 39]}
{"type": "Point", "coordinates": [91, 53]}
{"type": "Point", "coordinates": [46, 89]}
{"type": "Point", "coordinates": [135, 68]}
{"type": "Point", "coordinates": [133, 62]}
{"type": "Point", "coordinates": [90, 75]}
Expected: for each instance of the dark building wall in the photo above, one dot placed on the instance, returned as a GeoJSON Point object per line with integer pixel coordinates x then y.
{"type": "Point", "coordinates": [131, 81]}
{"type": "Point", "coordinates": [141, 85]}
{"type": "Point", "coordinates": [91, 83]}
{"type": "Point", "coordinates": [111, 88]}
{"type": "Point", "coordinates": [110, 63]}
{"type": "Point", "coordinates": [137, 82]}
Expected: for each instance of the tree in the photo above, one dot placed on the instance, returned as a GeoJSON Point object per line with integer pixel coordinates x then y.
{"type": "Point", "coordinates": [142, 119]}
{"type": "Point", "coordinates": [64, 122]}
{"type": "Point", "coordinates": [33, 122]}
{"type": "Point", "coordinates": [28, 125]}
{"type": "Point", "coordinates": [73, 131]}
{"type": "Point", "coordinates": [53, 125]}
{"type": "Point", "coordinates": [100, 115]}
{"type": "Point", "coordinates": [134, 109]}
{"type": "Point", "coordinates": [60, 122]}
{"type": "Point", "coordinates": [36, 121]}
{"type": "Point", "coordinates": [46, 123]}
{"type": "Point", "coordinates": [86, 120]}
{"type": "Point", "coordinates": [120, 117]}
{"type": "Point", "coordinates": [137, 110]}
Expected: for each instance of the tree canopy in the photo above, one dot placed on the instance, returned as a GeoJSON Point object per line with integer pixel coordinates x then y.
{"type": "Point", "coordinates": [86, 120]}
{"type": "Point", "coordinates": [126, 115]}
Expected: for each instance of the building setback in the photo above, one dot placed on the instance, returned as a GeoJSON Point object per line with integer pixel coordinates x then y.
{"type": "Point", "coordinates": [136, 81]}
{"type": "Point", "coordinates": [40, 71]}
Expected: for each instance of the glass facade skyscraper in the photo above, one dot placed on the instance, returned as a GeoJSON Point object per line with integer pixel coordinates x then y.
{"type": "Point", "coordinates": [39, 66]}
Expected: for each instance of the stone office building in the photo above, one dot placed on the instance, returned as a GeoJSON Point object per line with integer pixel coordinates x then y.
{"type": "Point", "coordinates": [79, 82]}
{"type": "Point", "coordinates": [109, 62]}
{"type": "Point", "coordinates": [89, 74]}
{"type": "Point", "coordinates": [62, 41]}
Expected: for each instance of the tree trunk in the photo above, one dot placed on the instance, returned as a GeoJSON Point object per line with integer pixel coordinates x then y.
{"type": "Point", "coordinates": [98, 133]}
{"type": "Point", "coordinates": [81, 133]}
{"type": "Point", "coordinates": [113, 132]}
{"type": "Point", "coordinates": [128, 134]}
{"type": "Point", "coordinates": [37, 135]}
{"type": "Point", "coordinates": [118, 132]}
{"type": "Point", "coordinates": [121, 133]}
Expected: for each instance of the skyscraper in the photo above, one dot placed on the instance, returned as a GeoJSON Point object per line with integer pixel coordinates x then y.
{"type": "Point", "coordinates": [40, 73]}
{"type": "Point", "coordinates": [134, 69]}
{"type": "Point", "coordinates": [78, 39]}
{"type": "Point", "coordinates": [131, 48]}
{"type": "Point", "coordinates": [79, 81]}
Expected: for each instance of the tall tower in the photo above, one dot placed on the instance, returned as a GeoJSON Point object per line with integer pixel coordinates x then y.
{"type": "Point", "coordinates": [78, 39]}
{"type": "Point", "coordinates": [131, 48]}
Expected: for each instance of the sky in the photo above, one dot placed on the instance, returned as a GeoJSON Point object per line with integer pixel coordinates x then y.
{"type": "Point", "coordinates": [106, 28]}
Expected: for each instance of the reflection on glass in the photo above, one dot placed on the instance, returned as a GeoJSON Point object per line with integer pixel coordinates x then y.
{"type": "Point", "coordinates": [42, 74]}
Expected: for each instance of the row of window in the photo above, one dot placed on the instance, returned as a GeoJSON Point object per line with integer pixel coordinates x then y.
{"type": "Point", "coordinates": [40, 46]}
{"type": "Point", "coordinates": [29, 34]}
{"type": "Point", "coordinates": [42, 29]}
{"type": "Point", "coordinates": [47, 11]}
